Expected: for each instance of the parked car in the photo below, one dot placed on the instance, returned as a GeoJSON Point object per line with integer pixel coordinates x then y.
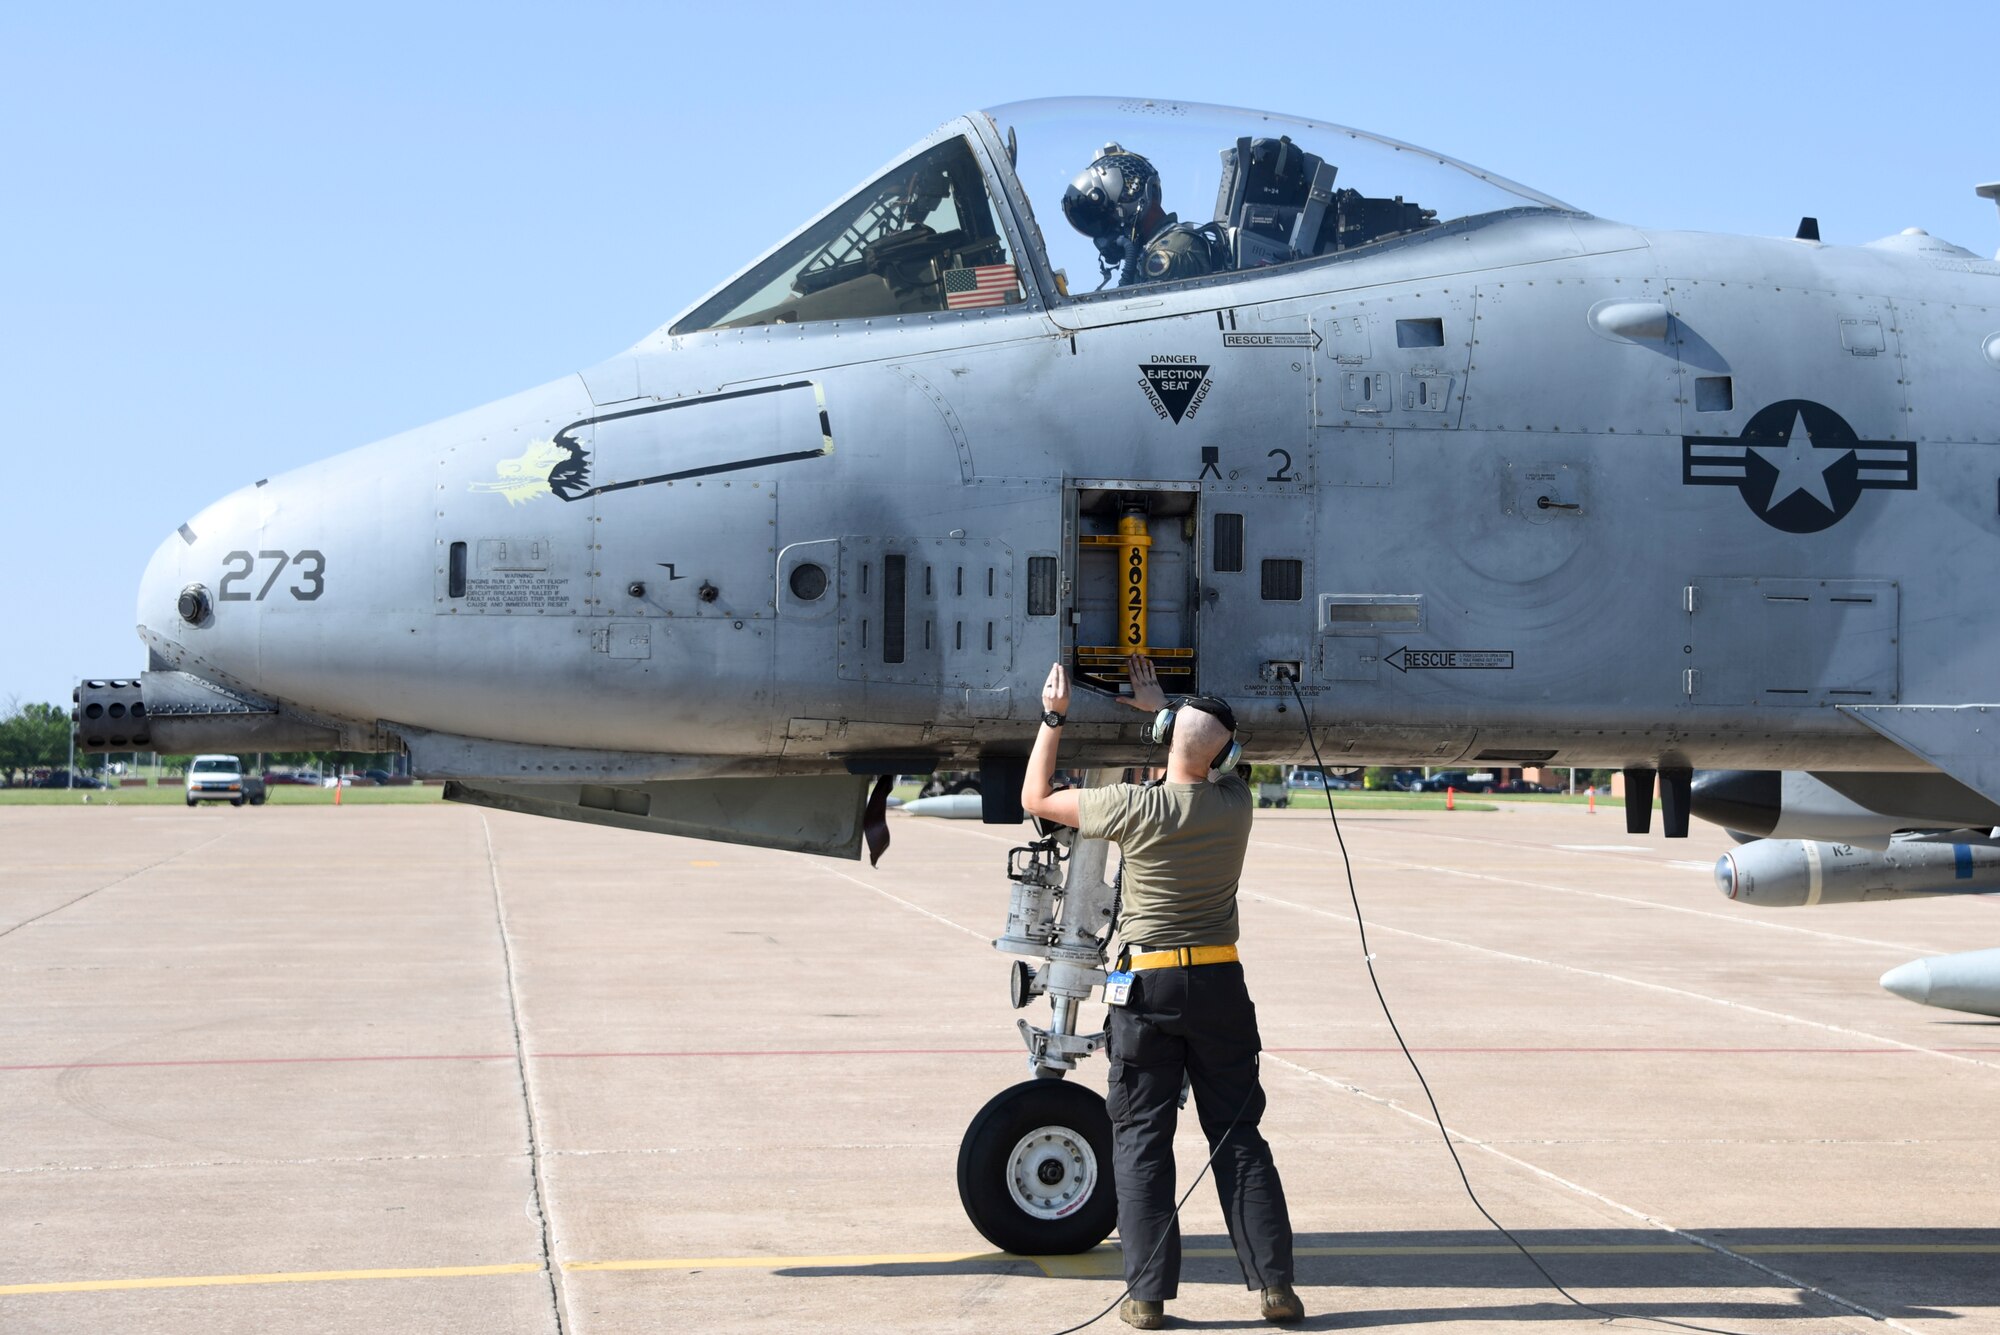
{"type": "Point", "coordinates": [1305, 776]}
{"type": "Point", "coordinates": [1455, 779]}
{"type": "Point", "coordinates": [64, 779]}
{"type": "Point", "coordinates": [220, 778]}
{"type": "Point", "coordinates": [377, 776]}
{"type": "Point", "coordinates": [1523, 786]}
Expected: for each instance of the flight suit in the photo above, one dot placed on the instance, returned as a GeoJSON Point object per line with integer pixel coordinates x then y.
{"type": "Point", "coordinates": [1178, 250]}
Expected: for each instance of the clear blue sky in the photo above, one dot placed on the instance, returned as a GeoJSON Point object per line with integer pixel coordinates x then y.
{"type": "Point", "coordinates": [236, 239]}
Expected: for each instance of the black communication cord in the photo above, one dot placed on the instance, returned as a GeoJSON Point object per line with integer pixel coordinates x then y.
{"type": "Point", "coordinates": [1437, 1117]}
{"type": "Point", "coordinates": [1368, 959]}
{"type": "Point", "coordinates": [1166, 1233]}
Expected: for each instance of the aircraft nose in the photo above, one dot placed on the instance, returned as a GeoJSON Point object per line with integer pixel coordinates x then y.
{"type": "Point", "coordinates": [184, 581]}
{"type": "Point", "coordinates": [160, 588]}
{"type": "Point", "coordinates": [1911, 981]}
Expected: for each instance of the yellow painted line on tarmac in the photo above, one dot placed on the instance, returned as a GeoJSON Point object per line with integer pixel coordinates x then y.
{"type": "Point", "coordinates": [798, 1262]}
{"type": "Point", "coordinates": [281, 1277]}
{"type": "Point", "coordinates": [1104, 1261]}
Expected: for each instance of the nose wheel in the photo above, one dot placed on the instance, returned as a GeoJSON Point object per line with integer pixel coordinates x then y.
{"type": "Point", "coordinates": [1034, 1170]}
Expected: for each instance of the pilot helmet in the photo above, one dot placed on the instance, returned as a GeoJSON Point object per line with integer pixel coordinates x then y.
{"type": "Point", "coordinates": [1110, 196]}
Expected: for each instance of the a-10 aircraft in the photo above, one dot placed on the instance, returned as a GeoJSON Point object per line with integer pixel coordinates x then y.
{"type": "Point", "coordinates": [1484, 478]}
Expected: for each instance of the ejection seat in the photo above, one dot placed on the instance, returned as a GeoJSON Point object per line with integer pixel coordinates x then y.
{"type": "Point", "coordinates": [1273, 200]}
{"type": "Point", "coordinates": [1277, 203]}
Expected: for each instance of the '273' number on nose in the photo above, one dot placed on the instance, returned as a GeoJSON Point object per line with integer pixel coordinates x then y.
{"type": "Point", "coordinates": [242, 563]}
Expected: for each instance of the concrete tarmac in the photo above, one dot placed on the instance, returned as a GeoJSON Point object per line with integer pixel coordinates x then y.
{"type": "Point", "coordinates": [437, 1069]}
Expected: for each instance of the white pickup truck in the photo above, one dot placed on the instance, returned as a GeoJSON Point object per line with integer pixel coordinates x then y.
{"type": "Point", "coordinates": [221, 779]}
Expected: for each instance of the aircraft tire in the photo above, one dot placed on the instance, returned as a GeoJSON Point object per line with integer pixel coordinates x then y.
{"type": "Point", "coordinates": [1034, 1170]}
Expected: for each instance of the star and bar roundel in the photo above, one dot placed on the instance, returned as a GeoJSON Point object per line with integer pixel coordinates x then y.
{"type": "Point", "coordinates": [1798, 465]}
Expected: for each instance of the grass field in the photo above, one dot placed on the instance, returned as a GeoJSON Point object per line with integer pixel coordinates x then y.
{"type": "Point", "coordinates": [1306, 799]}
{"type": "Point", "coordinates": [283, 795]}
{"type": "Point", "coordinates": [1355, 800]}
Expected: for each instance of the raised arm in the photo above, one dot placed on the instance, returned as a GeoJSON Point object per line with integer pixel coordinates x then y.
{"type": "Point", "coordinates": [1038, 795]}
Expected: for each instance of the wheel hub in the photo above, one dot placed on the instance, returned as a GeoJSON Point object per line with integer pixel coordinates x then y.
{"type": "Point", "coordinates": [1051, 1172]}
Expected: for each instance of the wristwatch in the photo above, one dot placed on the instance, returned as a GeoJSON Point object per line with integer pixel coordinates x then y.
{"type": "Point", "coordinates": [1051, 719]}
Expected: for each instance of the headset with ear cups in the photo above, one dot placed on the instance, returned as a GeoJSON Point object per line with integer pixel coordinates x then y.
{"type": "Point", "coordinates": [1225, 760]}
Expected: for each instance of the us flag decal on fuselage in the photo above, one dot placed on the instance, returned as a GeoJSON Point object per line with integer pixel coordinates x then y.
{"type": "Point", "coordinates": [986, 285]}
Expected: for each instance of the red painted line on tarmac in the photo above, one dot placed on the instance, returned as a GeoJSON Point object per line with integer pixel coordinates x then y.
{"type": "Point", "coordinates": [950, 1052]}
{"type": "Point", "coordinates": [1726, 1052]}
{"type": "Point", "coordinates": [786, 1052]}
{"type": "Point", "coordinates": [508, 1056]}
{"type": "Point", "coordinates": [267, 1061]}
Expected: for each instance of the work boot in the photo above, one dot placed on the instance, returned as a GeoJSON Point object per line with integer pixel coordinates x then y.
{"type": "Point", "coordinates": [1142, 1315]}
{"type": "Point", "coordinates": [1281, 1304]}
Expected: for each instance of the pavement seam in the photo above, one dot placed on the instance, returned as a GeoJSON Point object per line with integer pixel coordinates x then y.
{"type": "Point", "coordinates": [1829, 1027]}
{"type": "Point", "coordinates": [914, 908]}
{"type": "Point", "coordinates": [191, 848]}
{"type": "Point", "coordinates": [1734, 920]}
{"type": "Point", "coordinates": [1694, 1238]}
{"type": "Point", "coordinates": [536, 1175]}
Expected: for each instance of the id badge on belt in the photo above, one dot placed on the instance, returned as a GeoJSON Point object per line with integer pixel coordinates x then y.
{"type": "Point", "coordinates": [1117, 988]}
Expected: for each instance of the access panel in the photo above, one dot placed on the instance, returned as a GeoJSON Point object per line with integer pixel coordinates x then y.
{"type": "Point", "coordinates": [1803, 642]}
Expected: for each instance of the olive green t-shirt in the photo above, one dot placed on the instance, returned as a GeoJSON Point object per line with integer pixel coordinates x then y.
{"type": "Point", "coordinates": [1183, 846]}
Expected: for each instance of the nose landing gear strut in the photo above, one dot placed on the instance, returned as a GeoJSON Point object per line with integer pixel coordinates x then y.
{"type": "Point", "coordinates": [1034, 1169]}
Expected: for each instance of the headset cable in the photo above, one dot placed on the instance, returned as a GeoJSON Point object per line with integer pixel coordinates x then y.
{"type": "Point", "coordinates": [1437, 1117]}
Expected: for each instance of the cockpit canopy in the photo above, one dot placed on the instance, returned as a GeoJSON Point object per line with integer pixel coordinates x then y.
{"type": "Point", "coordinates": [972, 219]}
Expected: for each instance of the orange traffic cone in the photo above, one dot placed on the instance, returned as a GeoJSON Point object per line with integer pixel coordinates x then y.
{"type": "Point", "coordinates": [1449, 794]}
{"type": "Point", "coordinates": [1593, 800]}
{"type": "Point", "coordinates": [336, 790]}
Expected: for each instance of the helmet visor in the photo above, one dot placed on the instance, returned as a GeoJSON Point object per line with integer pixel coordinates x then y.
{"type": "Point", "coordinates": [1091, 211]}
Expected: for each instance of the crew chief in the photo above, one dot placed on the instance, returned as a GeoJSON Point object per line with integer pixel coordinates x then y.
{"type": "Point", "coordinates": [1187, 1013]}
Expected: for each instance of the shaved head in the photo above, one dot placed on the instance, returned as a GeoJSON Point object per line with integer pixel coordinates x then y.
{"type": "Point", "coordinates": [1198, 738]}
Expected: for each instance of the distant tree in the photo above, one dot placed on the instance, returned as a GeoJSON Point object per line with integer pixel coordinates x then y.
{"type": "Point", "coordinates": [34, 736]}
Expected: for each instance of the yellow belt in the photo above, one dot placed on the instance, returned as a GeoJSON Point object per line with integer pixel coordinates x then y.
{"type": "Point", "coordinates": [1184, 956]}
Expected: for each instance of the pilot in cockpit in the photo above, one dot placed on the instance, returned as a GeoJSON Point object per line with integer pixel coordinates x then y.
{"type": "Point", "coordinates": [1115, 201]}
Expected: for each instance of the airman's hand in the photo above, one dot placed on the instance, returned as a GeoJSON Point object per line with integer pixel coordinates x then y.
{"type": "Point", "coordinates": [1055, 691]}
{"type": "Point", "coordinates": [1146, 693]}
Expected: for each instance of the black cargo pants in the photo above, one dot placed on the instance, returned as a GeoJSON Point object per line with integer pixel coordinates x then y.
{"type": "Point", "coordinates": [1198, 1020]}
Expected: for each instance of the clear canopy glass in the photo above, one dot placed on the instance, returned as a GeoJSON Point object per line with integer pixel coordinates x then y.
{"type": "Point", "coordinates": [1251, 189]}
{"type": "Point", "coordinates": [921, 238]}
{"type": "Point", "coordinates": [1375, 188]}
